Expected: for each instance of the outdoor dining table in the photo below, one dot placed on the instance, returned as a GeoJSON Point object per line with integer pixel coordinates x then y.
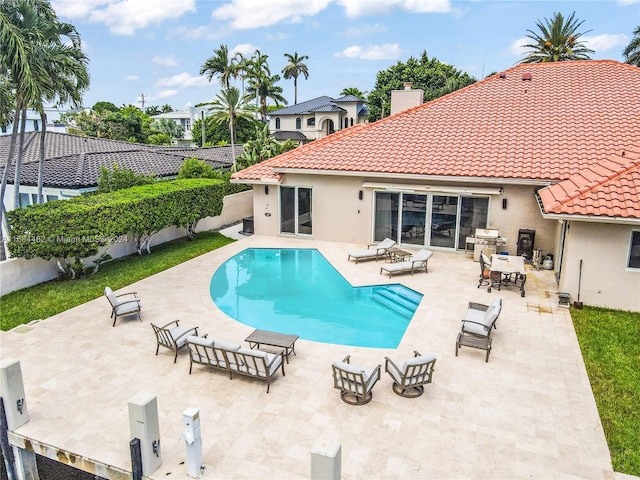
{"type": "Point", "coordinates": [512, 266]}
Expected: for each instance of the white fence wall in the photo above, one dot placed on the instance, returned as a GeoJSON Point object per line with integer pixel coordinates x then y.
{"type": "Point", "coordinates": [17, 273]}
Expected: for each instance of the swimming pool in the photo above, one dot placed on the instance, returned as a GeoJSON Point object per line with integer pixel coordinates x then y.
{"type": "Point", "coordinates": [298, 291]}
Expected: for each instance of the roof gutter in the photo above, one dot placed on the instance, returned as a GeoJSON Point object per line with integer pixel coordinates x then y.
{"type": "Point", "coordinates": [419, 177]}
{"type": "Point", "coordinates": [262, 181]}
{"type": "Point", "coordinates": [566, 217]}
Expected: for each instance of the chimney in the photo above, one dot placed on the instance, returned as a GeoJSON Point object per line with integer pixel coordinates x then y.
{"type": "Point", "coordinates": [407, 98]}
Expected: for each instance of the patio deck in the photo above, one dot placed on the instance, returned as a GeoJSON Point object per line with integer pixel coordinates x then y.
{"type": "Point", "coordinates": [528, 413]}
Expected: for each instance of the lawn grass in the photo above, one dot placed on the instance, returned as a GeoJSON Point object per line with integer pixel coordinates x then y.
{"type": "Point", "coordinates": [47, 299]}
{"type": "Point", "coordinates": [611, 351]}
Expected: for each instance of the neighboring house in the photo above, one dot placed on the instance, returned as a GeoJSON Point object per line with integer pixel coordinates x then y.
{"type": "Point", "coordinates": [34, 122]}
{"type": "Point", "coordinates": [317, 118]}
{"type": "Point", "coordinates": [537, 147]}
{"type": "Point", "coordinates": [186, 119]}
{"type": "Point", "coordinates": [73, 163]}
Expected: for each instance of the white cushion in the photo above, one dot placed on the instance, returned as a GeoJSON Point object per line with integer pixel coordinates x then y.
{"type": "Point", "coordinates": [475, 328]}
{"type": "Point", "coordinates": [205, 342]}
{"type": "Point", "coordinates": [232, 347]}
{"type": "Point", "coordinates": [128, 307]}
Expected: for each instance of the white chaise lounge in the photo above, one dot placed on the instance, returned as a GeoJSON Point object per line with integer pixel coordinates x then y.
{"type": "Point", "coordinates": [372, 251]}
{"type": "Point", "coordinates": [418, 262]}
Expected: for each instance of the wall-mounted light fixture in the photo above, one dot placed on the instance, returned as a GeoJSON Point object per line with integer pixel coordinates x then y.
{"type": "Point", "coordinates": [266, 189]}
{"type": "Point", "coordinates": [504, 203]}
{"type": "Point", "coordinates": [360, 195]}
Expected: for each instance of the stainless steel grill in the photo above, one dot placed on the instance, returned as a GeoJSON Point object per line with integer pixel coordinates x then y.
{"type": "Point", "coordinates": [486, 240]}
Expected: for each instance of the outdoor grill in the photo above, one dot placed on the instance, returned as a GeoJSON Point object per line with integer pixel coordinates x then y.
{"type": "Point", "coordinates": [485, 240]}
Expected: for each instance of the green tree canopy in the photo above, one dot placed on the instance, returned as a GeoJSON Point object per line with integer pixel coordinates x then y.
{"type": "Point", "coordinates": [168, 127]}
{"type": "Point", "coordinates": [127, 123]}
{"type": "Point", "coordinates": [196, 168]}
{"type": "Point", "coordinates": [632, 51]}
{"type": "Point", "coordinates": [353, 91]}
{"type": "Point", "coordinates": [557, 40]}
{"type": "Point", "coordinates": [294, 69]}
{"type": "Point", "coordinates": [118, 178]}
{"type": "Point", "coordinates": [428, 74]}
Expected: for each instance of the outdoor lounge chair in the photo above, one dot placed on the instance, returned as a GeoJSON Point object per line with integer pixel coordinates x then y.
{"type": "Point", "coordinates": [355, 383]}
{"type": "Point", "coordinates": [379, 251]}
{"type": "Point", "coordinates": [485, 270]}
{"type": "Point", "coordinates": [418, 262]}
{"type": "Point", "coordinates": [121, 308]}
{"type": "Point", "coordinates": [477, 325]}
{"type": "Point", "coordinates": [410, 376]}
{"type": "Point", "coordinates": [173, 338]}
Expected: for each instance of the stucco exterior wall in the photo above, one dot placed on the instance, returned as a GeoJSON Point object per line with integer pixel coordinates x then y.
{"type": "Point", "coordinates": [339, 215]}
{"type": "Point", "coordinates": [605, 281]}
{"type": "Point", "coordinates": [18, 273]}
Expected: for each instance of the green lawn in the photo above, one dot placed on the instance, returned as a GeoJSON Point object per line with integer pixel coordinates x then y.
{"type": "Point", "coordinates": [47, 299]}
{"type": "Point", "coordinates": [610, 344]}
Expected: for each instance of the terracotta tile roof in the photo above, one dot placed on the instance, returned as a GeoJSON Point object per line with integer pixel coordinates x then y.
{"type": "Point", "coordinates": [568, 116]}
{"type": "Point", "coordinates": [73, 161]}
{"type": "Point", "coordinates": [609, 189]}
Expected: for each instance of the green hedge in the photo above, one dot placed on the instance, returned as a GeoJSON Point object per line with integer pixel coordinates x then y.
{"type": "Point", "coordinates": [78, 227]}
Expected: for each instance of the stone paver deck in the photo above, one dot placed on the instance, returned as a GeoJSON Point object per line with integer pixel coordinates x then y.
{"type": "Point", "coordinates": [528, 413]}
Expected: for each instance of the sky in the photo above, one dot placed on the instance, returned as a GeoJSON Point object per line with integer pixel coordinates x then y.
{"type": "Point", "coordinates": [154, 49]}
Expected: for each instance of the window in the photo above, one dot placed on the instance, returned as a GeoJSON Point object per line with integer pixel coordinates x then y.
{"type": "Point", "coordinates": [298, 123]}
{"type": "Point", "coordinates": [634, 250]}
{"type": "Point", "coordinates": [51, 198]}
{"type": "Point", "coordinates": [24, 200]}
{"type": "Point", "coordinates": [295, 210]}
{"type": "Point", "coordinates": [352, 121]}
{"type": "Point", "coordinates": [277, 123]}
{"type": "Point", "coordinates": [311, 122]}
{"type": "Point", "coordinates": [36, 126]}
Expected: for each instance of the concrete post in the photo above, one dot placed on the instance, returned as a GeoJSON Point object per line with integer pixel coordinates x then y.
{"type": "Point", "coordinates": [326, 461]}
{"type": "Point", "coordinates": [12, 391]}
{"type": "Point", "coordinates": [144, 425]}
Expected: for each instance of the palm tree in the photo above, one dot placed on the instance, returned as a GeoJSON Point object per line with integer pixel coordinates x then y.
{"type": "Point", "coordinates": [168, 127]}
{"type": "Point", "coordinates": [294, 68]}
{"type": "Point", "coordinates": [257, 68]}
{"type": "Point", "coordinates": [557, 41]}
{"type": "Point", "coordinates": [632, 52]}
{"type": "Point", "coordinates": [219, 65]}
{"type": "Point", "coordinates": [242, 66]}
{"type": "Point", "coordinates": [264, 88]}
{"type": "Point", "coordinates": [40, 67]}
{"type": "Point", "coordinates": [353, 91]}
{"type": "Point", "coordinates": [229, 107]}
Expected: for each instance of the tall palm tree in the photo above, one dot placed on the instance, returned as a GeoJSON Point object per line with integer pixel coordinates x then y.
{"type": "Point", "coordinates": [293, 69]}
{"type": "Point", "coordinates": [242, 67]}
{"type": "Point", "coordinates": [219, 65]}
{"type": "Point", "coordinates": [40, 67]}
{"type": "Point", "coordinates": [258, 67]}
{"type": "Point", "coordinates": [263, 88]}
{"type": "Point", "coordinates": [557, 41]}
{"type": "Point", "coordinates": [229, 107]}
{"type": "Point", "coordinates": [632, 52]}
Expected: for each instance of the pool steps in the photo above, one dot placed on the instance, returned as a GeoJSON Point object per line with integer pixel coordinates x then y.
{"type": "Point", "coordinates": [400, 299]}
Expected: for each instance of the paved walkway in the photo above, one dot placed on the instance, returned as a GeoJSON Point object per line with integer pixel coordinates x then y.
{"type": "Point", "coordinates": [528, 413]}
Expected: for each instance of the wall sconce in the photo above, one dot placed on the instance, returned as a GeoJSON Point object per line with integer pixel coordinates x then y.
{"type": "Point", "coordinates": [266, 189]}
{"type": "Point", "coordinates": [501, 190]}
{"type": "Point", "coordinates": [360, 195]}
{"type": "Point", "coordinates": [504, 203]}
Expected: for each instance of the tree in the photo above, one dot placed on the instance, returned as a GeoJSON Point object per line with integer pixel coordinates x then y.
{"type": "Point", "coordinates": [128, 123]}
{"type": "Point", "coordinates": [119, 178]}
{"type": "Point", "coordinates": [40, 66]}
{"type": "Point", "coordinates": [428, 74]}
{"type": "Point", "coordinates": [168, 127]}
{"type": "Point", "coordinates": [219, 65]}
{"type": "Point", "coordinates": [196, 168]}
{"type": "Point", "coordinates": [353, 91]}
{"type": "Point", "coordinates": [557, 41]}
{"type": "Point", "coordinates": [263, 88]}
{"type": "Point", "coordinates": [262, 147]}
{"type": "Point", "coordinates": [151, 110]}
{"type": "Point", "coordinates": [218, 134]}
{"type": "Point", "coordinates": [100, 107]}
{"type": "Point", "coordinates": [166, 108]}
{"type": "Point", "coordinates": [228, 107]}
{"type": "Point", "coordinates": [632, 52]}
{"type": "Point", "coordinates": [293, 69]}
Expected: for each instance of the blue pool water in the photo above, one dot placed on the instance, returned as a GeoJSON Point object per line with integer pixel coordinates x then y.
{"type": "Point", "coordinates": [298, 291]}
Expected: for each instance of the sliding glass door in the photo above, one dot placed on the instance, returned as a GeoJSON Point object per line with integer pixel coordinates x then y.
{"type": "Point", "coordinates": [386, 216]}
{"type": "Point", "coordinates": [296, 210]}
{"type": "Point", "coordinates": [414, 218]}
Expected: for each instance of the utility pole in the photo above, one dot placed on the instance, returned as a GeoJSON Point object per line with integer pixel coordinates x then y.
{"type": "Point", "coordinates": [142, 97]}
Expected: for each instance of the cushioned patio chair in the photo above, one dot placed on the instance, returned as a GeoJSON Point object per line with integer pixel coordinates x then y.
{"type": "Point", "coordinates": [355, 383]}
{"type": "Point", "coordinates": [376, 251]}
{"type": "Point", "coordinates": [477, 326]}
{"type": "Point", "coordinates": [173, 337]}
{"type": "Point", "coordinates": [417, 263]}
{"type": "Point", "coordinates": [121, 308]}
{"type": "Point", "coordinates": [485, 270]}
{"type": "Point", "coordinates": [410, 376]}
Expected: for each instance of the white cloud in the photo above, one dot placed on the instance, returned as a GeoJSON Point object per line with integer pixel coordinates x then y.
{"type": "Point", "coordinates": [516, 48]}
{"type": "Point", "coordinates": [627, 2]}
{"type": "Point", "coordinates": [245, 49]}
{"type": "Point", "coordinates": [388, 51]}
{"type": "Point", "coordinates": [131, 78]}
{"type": "Point", "coordinates": [364, 30]}
{"type": "Point", "coordinates": [360, 8]}
{"type": "Point", "coordinates": [164, 94]}
{"type": "Point", "coordinates": [245, 14]}
{"type": "Point", "coordinates": [606, 41]}
{"type": "Point", "coordinates": [124, 17]}
{"type": "Point", "coordinates": [182, 80]}
{"type": "Point", "coordinates": [168, 61]}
